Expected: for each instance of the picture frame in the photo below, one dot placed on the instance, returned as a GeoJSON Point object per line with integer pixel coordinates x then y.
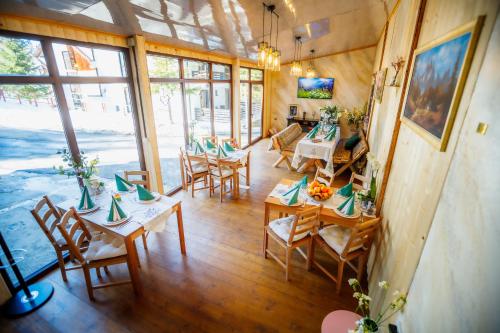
{"type": "Point", "coordinates": [380, 84]}
{"type": "Point", "coordinates": [437, 78]}
{"type": "Point", "coordinates": [293, 110]}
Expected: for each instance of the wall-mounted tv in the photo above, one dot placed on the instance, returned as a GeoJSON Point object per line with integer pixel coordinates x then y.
{"type": "Point", "coordinates": [315, 88]}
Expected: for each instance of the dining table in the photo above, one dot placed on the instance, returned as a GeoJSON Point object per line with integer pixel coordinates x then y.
{"type": "Point", "coordinates": [314, 151]}
{"type": "Point", "coordinates": [328, 215]}
{"type": "Point", "coordinates": [143, 217]}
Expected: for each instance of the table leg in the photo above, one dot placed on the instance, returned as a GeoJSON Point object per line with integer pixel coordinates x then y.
{"type": "Point", "coordinates": [133, 264]}
{"type": "Point", "coordinates": [309, 163]}
{"type": "Point", "coordinates": [266, 222]}
{"type": "Point", "coordinates": [248, 170]}
{"type": "Point", "coordinates": [180, 227]}
{"type": "Point", "coordinates": [236, 183]}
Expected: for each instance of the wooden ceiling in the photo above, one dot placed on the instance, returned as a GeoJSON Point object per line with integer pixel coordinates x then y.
{"type": "Point", "coordinates": [229, 27]}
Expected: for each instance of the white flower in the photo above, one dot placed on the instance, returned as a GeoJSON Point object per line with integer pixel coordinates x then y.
{"type": "Point", "coordinates": [370, 156]}
{"type": "Point", "coordinates": [383, 284]}
{"type": "Point", "coordinates": [396, 293]}
{"type": "Point", "coordinates": [356, 295]}
{"type": "Point", "coordinates": [376, 165]}
{"type": "Point", "coordinates": [353, 282]}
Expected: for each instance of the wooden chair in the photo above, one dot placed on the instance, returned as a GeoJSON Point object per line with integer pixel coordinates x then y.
{"type": "Point", "coordinates": [231, 141]}
{"type": "Point", "coordinates": [48, 216]}
{"type": "Point", "coordinates": [285, 143]}
{"type": "Point", "coordinates": [220, 171]}
{"type": "Point", "coordinates": [138, 177]}
{"type": "Point", "coordinates": [346, 158]}
{"type": "Point", "coordinates": [290, 232]}
{"type": "Point", "coordinates": [103, 250]}
{"type": "Point", "coordinates": [324, 176]}
{"type": "Point", "coordinates": [196, 168]}
{"type": "Point", "coordinates": [213, 139]}
{"type": "Point", "coordinates": [362, 179]}
{"type": "Point", "coordinates": [345, 245]}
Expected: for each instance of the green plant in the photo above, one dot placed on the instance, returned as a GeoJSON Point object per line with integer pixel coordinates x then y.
{"type": "Point", "coordinates": [81, 167]}
{"type": "Point", "coordinates": [355, 116]}
{"type": "Point", "coordinates": [372, 323]}
{"type": "Point", "coordinates": [331, 112]}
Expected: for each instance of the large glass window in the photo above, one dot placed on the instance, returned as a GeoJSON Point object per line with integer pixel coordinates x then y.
{"type": "Point", "coordinates": [198, 110]}
{"type": "Point", "coordinates": [196, 69]}
{"type": "Point", "coordinates": [163, 67]}
{"type": "Point", "coordinates": [31, 134]}
{"type": "Point", "coordinates": [95, 115]}
{"type": "Point", "coordinates": [251, 104]}
{"type": "Point", "coordinates": [222, 110]}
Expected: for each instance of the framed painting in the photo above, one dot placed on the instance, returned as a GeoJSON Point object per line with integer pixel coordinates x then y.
{"type": "Point", "coordinates": [379, 84]}
{"type": "Point", "coordinates": [438, 74]}
{"type": "Point", "coordinates": [293, 110]}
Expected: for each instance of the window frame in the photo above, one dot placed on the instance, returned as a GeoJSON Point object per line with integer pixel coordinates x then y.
{"type": "Point", "coordinates": [57, 81]}
{"type": "Point", "coordinates": [250, 83]}
{"type": "Point", "coordinates": [182, 81]}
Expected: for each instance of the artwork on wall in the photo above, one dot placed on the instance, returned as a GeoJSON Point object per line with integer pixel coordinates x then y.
{"type": "Point", "coordinates": [379, 84]}
{"type": "Point", "coordinates": [438, 74]}
{"type": "Point", "coordinates": [315, 88]}
{"type": "Point", "coordinates": [293, 110]}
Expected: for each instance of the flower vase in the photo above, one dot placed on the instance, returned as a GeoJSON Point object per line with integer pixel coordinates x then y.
{"type": "Point", "coordinates": [369, 325]}
{"type": "Point", "coordinates": [94, 184]}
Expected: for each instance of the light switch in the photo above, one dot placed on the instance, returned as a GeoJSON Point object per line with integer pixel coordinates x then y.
{"type": "Point", "coordinates": [482, 128]}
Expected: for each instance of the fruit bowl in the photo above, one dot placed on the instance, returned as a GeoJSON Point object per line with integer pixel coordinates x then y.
{"type": "Point", "coordinates": [319, 191]}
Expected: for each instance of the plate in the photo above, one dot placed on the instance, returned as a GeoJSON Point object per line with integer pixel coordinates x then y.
{"type": "Point", "coordinates": [146, 202]}
{"type": "Point", "coordinates": [357, 213]}
{"type": "Point", "coordinates": [300, 202]}
{"type": "Point", "coordinates": [87, 211]}
{"type": "Point", "coordinates": [112, 224]}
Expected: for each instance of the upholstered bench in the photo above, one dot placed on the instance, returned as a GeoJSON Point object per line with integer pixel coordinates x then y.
{"type": "Point", "coordinates": [345, 158]}
{"type": "Point", "coordinates": [285, 142]}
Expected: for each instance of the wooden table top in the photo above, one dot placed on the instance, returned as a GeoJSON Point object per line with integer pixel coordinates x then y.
{"type": "Point", "coordinates": [327, 215]}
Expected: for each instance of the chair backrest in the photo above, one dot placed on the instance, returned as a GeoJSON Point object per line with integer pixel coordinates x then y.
{"type": "Point", "coordinates": [306, 220]}
{"type": "Point", "coordinates": [212, 139]}
{"type": "Point", "coordinates": [324, 176]}
{"type": "Point", "coordinates": [361, 147]}
{"type": "Point", "coordinates": [47, 216]}
{"type": "Point", "coordinates": [361, 236]}
{"type": "Point", "coordinates": [138, 177]}
{"type": "Point", "coordinates": [286, 136]}
{"type": "Point", "coordinates": [190, 160]}
{"type": "Point", "coordinates": [362, 179]}
{"type": "Point", "coordinates": [74, 232]}
{"type": "Point", "coordinates": [216, 165]}
{"type": "Point", "coordinates": [231, 141]}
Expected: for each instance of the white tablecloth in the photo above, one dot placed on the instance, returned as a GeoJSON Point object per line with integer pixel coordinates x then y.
{"type": "Point", "coordinates": [153, 216]}
{"type": "Point", "coordinates": [318, 150]}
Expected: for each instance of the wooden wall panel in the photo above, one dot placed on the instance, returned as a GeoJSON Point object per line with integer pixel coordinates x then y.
{"type": "Point", "coordinates": [352, 72]}
{"type": "Point", "coordinates": [418, 171]}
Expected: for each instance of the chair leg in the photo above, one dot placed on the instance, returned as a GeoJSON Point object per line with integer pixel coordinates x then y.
{"type": "Point", "coordinates": [88, 282]}
{"type": "Point", "coordinates": [62, 267]}
{"type": "Point", "coordinates": [340, 273]}
{"type": "Point", "coordinates": [98, 272]}
{"type": "Point", "coordinates": [192, 187]}
{"type": "Point", "coordinates": [310, 254]}
{"type": "Point", "coordinates": [361, 266]}
{"type": "Point", "coordinates": [266, 243]}
{"type": "Point", "coordinates": [287, 262]}
{"type": "Point", "coordinates": [222, 187]}
{"type": "Point", "coordinates": [106, 270]}
{"type": "Point", "coordinates": [144, 242]}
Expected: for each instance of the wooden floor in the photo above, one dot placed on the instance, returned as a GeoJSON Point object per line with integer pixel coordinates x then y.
{"type": "Point", "coordinates": [224, 284]}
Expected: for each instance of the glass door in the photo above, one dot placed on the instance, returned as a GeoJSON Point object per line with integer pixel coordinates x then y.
{"type": "Point", "coordinates": [256, 114]}
{"type": "Point", "coordinates": [244, 113]}
{"type": "Point", "coordinates": [251, 105]}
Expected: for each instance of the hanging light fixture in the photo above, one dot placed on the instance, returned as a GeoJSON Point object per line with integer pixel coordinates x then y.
{"type": "Point", "coordinates": [296, 68]}
{"type": "Point", "coordinates": [262, 56]}
{"type": "Point", "coordinates": [311, 72]}
{"type": "Point", "coordinates": [269, 57]}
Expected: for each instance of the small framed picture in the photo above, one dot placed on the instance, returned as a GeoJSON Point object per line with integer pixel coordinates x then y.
{"type": "Point", "coordinates": [294, 108]}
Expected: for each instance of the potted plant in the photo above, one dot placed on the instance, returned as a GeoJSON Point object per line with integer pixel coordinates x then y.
{"type": "Point", "coordinates": [85, 170]}
{"type": "Point", "coordinates": [331, 114]}
{"type": "Point", "coordinates": [355, 117]}
{"type": "Point", "coordinates": [367, 197]}
{"type": "Point", "coordinates": [371, 324]}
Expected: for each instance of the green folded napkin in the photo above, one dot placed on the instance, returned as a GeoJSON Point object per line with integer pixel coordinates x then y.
{"type": "Point", "coordinates": [122, 185]}
{"type": "Point", "coordinates": [228, 147]}
{"type": "Point", "coordinates": [198, 149]}
{"type": "Point", "coordinates": [303, 182]}
{"type": "Point", "coordinates": [85, 202]}
{"type": "Point", "coordinates": [331, 134]}
{"type": "Point", "coordinates": [209, 144]}
{"type": "Point", "coordinates": [312, 134]}
{"type": "Point", "coordinates": [221, 152]}
{"type": "Point", "coordinates": [345, 191]}
{"type": "Point", "coordinates": [294, 197]}
{"type": "Point", "coordinates": [293, 188]}
{"type": "Point", "coordinates": [115, 211]}
{"type": "Point", "coordinates": [144, 195]}
{"type": "Point", "coordinates": [347, 207]}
